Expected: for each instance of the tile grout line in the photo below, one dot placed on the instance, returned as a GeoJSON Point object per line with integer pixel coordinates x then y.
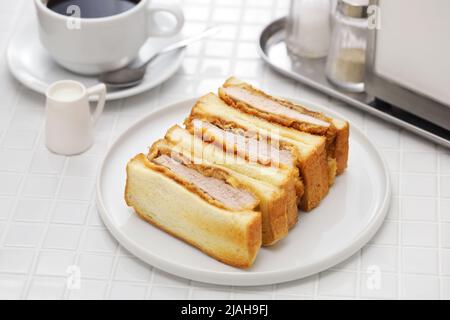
{"type": "Point", "coordinates": [403, 147]}
{"type": "Point", "coordinates": [273, 13]}
{"type": "Point", "coordinates": [84, 227]}
{"type": "Point", "coordinates": [234, 55]}
{"type": "Point", "coordinates": [220, 287]}
{"type": "Point", "coordinates": [24, 175]}
{"type": "Point", "coordinates": [16, 96]}
{"type": "Point", "coordinates": [233, 290]}
{"type": "Point", "coordinates": [39, 247]}
{"type": "Point", "coordinates": [359, 277]}
{"type": "Point", "coordinates": [400, 215]}
{"type": "Point", "coordinates": [358, 273]}
{"type": "Point", "coordinates": [202, 52]}
{"type": "Point", "coordinates": [198, 57]}
{"type": "Point", "coordinates": [316, 285]}
{"type": "Point", "coordinates": [92, 203]}
{"type": "Point", "coordinates": [22, 179]}
{"type": "Point", "coordinates": [232, 293]}
{"type": "Point", "coordinates": [47, 225]}
{"type": "Point", "coordinates": [150, 284]}
{"type": "Point", "coordinates": [112, 137]}
{"type": "Point", "coordinates": [77, 251]}
{"type": "Point", "coordinates": [439, 218]}
{"type": "Point", "coordinates": [15, 99]}
{"type": "Point", "coordinates": [200, 61]}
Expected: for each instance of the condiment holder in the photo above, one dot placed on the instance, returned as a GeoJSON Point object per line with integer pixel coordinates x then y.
{"type": "Point", "coordinates": [343, 84]}
{"type": "Point", "coordinates": [346, 58]}
{"type": "Point", "coordinates": [308, 36]}
{"type": "Point", "coordinates": [69, 125]}
{"type": "Point", "coordinates": [308, 28]}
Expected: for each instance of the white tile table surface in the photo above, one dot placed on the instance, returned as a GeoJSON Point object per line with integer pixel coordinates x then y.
{"type": "Point", "coordinates": [48, 219]}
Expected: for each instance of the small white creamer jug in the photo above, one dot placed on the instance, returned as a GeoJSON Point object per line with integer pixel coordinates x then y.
{"type": "Point", "coordinates": [69, 126]}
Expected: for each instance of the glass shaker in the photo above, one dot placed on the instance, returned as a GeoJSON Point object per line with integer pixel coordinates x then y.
{"type": "Point", "coordinates": [347, 55]}
{"type": "Point", "coordinates": [308, 28]}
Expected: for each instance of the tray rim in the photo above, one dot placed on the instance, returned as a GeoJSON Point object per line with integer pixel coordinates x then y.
{"type": "Point", "coordinates": [338, 95]}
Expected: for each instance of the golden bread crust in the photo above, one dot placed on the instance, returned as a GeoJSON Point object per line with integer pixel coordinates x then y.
{"type": "Point", "coordinates": [172, 136]}
{"type": "Point", "coordinates": [286, 185]}
{"type": "Point", "coordinates": [274, 220]}
{"type": "Point", "coordinates": [342, 147]}
{"type": "Point", "coordinates": [313, 165]}
{"type": "Point", "coordinates": [294, 186]}
{"type": "Point", "coordinates": [302, 126]}
{"type": "Point", "coordinates": [318, 153]}
{"type": "Point", "coordinates": [249, 239]}
{"type": "Point", "coordinates": [337, 136]}
{"type": "Point", "coordinates": [275, 227]}
{"type": "Point", "coordinates": [206, 170]}
{"type": "Point", "coordinates": [314, 171]}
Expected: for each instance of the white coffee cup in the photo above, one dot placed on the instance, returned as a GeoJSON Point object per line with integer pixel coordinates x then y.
{"type": "Point", "coordinates": [94, 45]}
{"type": "Point", "coordinates": [69, 124]}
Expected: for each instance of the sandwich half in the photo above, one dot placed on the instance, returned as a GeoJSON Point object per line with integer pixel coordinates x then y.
{"type": "Point", "coordinates": [251, 147]}
{"type": "Point", "coordinates": [243, 96]}
{"type": "Point", "coordinates": [285, 180]}
{"type": "Point", "coordinates": [311, 153]}
{"type": "Point", "coordinates": [272, 200]}
{"type": "Point", "coordinates": [198, 204]}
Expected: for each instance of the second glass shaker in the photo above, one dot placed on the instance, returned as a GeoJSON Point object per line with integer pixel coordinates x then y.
{"type": "Point", "coordinates": [346, 58]}
{"type": "Point", "coordinates": [308, 28]}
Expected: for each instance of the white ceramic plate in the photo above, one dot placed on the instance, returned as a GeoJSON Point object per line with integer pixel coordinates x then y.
{"type": "Point", "coordinates": [31, 65]}
{"type": "Point", "coordinates": [345, 220]}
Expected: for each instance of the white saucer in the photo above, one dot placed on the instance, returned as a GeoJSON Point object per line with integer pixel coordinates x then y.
{"type": "Point", "coordinates": [345, 220]}
{"type": "Point", "coordinates": [30, 64]}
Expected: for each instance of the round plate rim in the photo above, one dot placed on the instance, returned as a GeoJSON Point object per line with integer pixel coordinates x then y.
{"type": "Point", "coordinates": [250, 278]}
{"type": "Point", "coordinates": [115, 95]}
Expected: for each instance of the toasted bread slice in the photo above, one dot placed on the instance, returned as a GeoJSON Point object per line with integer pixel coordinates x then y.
{"type": "Point", "coordinates": [175, 205]}
{"type": "Point", "coordinates": [272, 199]}
{"type": "Point", "coordinates": [312, 157]}
{"type": "Point", "coordinates": [278, 177]}
{"type": "Point", "coordinates": [243, 96]}
{"type": "Point", "coordinates": [250, 147]}
{"type": "Point", "coordinates": [341, 144]}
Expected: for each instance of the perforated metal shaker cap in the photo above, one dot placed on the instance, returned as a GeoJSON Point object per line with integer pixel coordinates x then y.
{"type": "Point", "coordinates": [353, 8]}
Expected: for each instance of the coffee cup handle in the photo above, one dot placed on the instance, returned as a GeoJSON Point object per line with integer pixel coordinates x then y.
{"type": "Point", "coordinates": [100, 91]}
{"type": "Point", "coordinates": [154, 30]}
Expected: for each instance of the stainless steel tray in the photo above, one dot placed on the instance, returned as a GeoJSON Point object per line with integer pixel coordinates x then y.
{"type": "Point", "coordinates": [272, 49]}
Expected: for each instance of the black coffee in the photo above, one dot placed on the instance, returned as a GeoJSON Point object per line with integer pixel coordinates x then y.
{"type": "Point", "coordinates": [91, 8]}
